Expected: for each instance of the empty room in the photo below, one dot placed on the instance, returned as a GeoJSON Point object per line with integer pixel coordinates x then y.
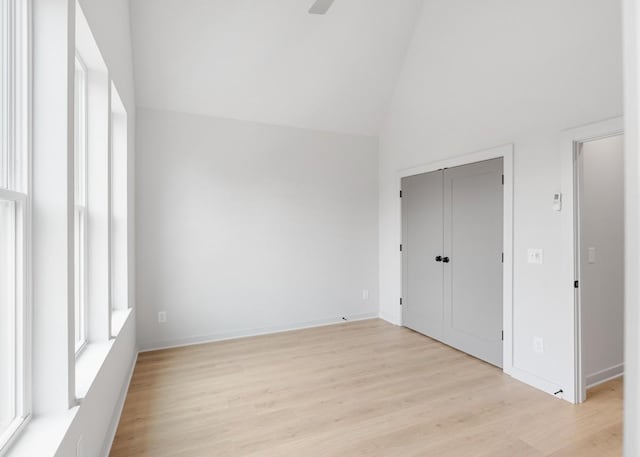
{"type": "Point", "coordinates": [262, 228]}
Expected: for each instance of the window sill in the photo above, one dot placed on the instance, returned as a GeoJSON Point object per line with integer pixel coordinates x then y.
{"type": "Point", "coordinates": [88, 364]}
{"type": "Point", "coordinates": [42, 435]}
{"type": "Point", "coordinates": [90, 361]}
{"type": "Point", "coordinates": [12, 433]}
{"type": "Point", "coordinates": [118, 318]}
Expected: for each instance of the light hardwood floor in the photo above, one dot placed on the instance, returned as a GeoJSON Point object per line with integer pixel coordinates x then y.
{"type": "Point", "coordinates": [358, 389]}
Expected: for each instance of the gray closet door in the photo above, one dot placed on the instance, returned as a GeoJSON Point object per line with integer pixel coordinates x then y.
{"type": "Point", "coordinates": [473, 240]}
{"type": "Point", "coordinates": [422, 239]}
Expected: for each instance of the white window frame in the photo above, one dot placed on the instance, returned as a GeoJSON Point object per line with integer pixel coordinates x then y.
{"type": "Point", "coordinates": [20, 331]}
{"type": "Point", "coordinates": [15, 187]}
{"type": "Point", "coordinates": [81, 212]}
{"type": "Point", "coordinates": [118, 161]}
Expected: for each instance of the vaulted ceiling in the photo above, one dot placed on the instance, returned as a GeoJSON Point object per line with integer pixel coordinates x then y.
{"type": "Point", "coordinates": [270, 61]}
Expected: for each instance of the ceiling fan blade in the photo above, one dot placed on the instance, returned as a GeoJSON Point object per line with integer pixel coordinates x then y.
{"type": "Point", "coordinates": [321, 7]}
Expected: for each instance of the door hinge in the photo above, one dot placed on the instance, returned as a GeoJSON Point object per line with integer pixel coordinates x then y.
{"type": "Point", "coordinates": [503, 257]}
{"type": "Point", "coordinates": [502, 335]}
{"type": "Point", "coordinates": [503, 180]}
{"type": "Point", "coordinates": [400, 301]}
{"type": "Point", "coordinates": [576, 284]}
{"type": "Point", "coordinates": [400, 194]}
{"type": "Point", "coordinates": [400, 248]}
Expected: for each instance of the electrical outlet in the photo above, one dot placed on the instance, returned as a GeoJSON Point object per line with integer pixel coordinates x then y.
{"type": "Point", "coordinates": [365, 294]}
{"type": "Point", "coordinates": [538, 345]}
{"type": "Point", "coordinates": [162, 317]}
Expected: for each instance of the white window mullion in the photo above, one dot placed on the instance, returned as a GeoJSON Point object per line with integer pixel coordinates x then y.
{"type": "Point", "coordinates": [80, 196]}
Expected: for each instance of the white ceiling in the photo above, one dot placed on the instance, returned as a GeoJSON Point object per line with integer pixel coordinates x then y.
{"type": "Point", "coordinates": [270, 61]}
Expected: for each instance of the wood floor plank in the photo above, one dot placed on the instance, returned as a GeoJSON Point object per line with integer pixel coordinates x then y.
{"type": "Point", "coordinates": [358, 389]}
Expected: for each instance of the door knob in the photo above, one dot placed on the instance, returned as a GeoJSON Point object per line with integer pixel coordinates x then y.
{"type": "Point", "coordinates": [439, 258]}
{"type": "Point", "coordinates": [446, 260]}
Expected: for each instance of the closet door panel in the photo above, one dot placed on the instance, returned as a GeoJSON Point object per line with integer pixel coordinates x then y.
{"type": "Point", "coordinates": [473, 242]}
{"type": "Point", "coordinates": [422, 238]}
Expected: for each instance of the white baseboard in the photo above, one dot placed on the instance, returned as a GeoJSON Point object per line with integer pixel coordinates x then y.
{"type": "Point", "coordinates": [115, 420]}
{"type": "Point", "coordinates": [516, 373]}
{"type": "Point", "coordinates": [603, 376]}
{"type": "Point", "coordinates": [549, 387]}
{"type": "Point", "coordinates": [191, 341]}
{"type": "Point", "coordinates": [390, 319]}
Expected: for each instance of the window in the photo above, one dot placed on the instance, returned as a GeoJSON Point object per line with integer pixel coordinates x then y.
{"type": "Point", "coordinates": [118, 220]}
{"type": "Point", "coordinates": [14, 204]}
{"type": "Point", "coordinates": [92, 198]}
{"type": "Point", "coordinates": [80, 213]}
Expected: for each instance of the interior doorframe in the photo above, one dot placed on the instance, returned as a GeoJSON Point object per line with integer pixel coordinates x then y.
{"type": "Point", "coordinates": [505, 152]}
{"type": "Point", "coordinates": [571, 141]}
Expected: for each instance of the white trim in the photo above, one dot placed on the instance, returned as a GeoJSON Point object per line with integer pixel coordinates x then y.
{"type": "Point", "coordinates": [12, 434]}
{"type": "Point", "coordinates": [631, 28]}
{"type": "Point", "coordinates": [51, 169]}
{"type": "Point", "coordinates": [539, 383]}
{"type": "Point", "coordinates": [576, 392]}
{"type": "Point", "coordinates": [115, 420]}
{"type": "Point", "coordinates": [13, 195]}
{"type": "Point", "coordinates": [192, 341]}
{"type": "Point", "coordinates": [388, 318]}
{"type": "Point", "coordinates": [81, 210]}
{"type": "Point", "coordinates": [118, 319]}
{"type": "Point", "coordinates": [506, 152]}
{"type": "Point", "coordinates": [609, 374]}
{"type": "Point", "coordinates": [118, 197]}
{"type": "Point", "coordinates": [46, 433]}
{"type": "Point", "coordinates": [27, 118]}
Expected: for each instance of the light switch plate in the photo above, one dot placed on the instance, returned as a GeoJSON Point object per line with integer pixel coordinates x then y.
{"type": "Point", "coordinates": [557, 202]}
{"type": "Point", "coordinates": [591, 255]}
{"type": "Point", "coordinates": [535, 256]}
{"type": "Point", "coordinates": [162, 317]}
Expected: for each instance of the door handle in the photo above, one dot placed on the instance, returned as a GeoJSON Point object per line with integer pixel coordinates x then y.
{"type": "Point", "coordinates": [446, 260]}
{"type": "Point", "coordinates": [439, 258]}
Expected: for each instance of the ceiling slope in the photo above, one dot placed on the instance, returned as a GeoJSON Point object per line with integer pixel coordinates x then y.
{"type": "Point", "coordinates": [272, 61]}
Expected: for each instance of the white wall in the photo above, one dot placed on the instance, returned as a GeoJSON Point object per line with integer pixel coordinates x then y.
{"type": "Point", "coordinates": [245, 228]}
{"type": "Point", "coordinates": [481, 74]}
{"type": "Point", "coordinates": [602, 275]}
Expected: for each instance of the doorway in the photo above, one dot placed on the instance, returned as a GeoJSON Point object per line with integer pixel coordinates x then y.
{"type": "Point", "coordinates": [600, 254]}
{"type": "Point", "coordinates": [452, 257]}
